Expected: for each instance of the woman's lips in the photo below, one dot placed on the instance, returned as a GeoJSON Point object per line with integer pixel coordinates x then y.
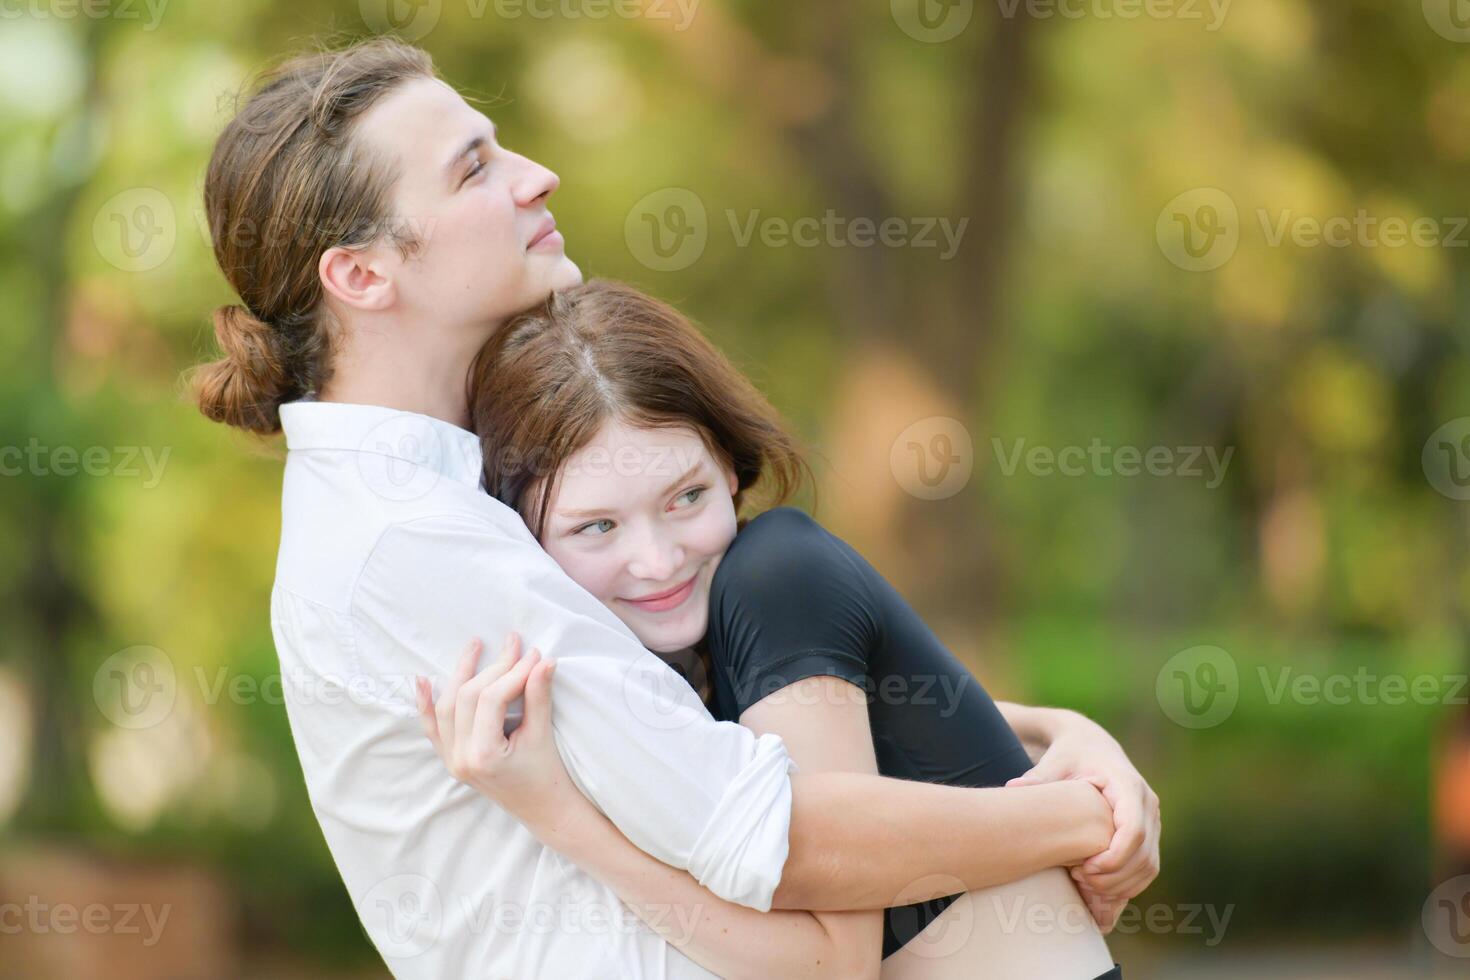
{"type": "Point", "coordinates": [664, 601]}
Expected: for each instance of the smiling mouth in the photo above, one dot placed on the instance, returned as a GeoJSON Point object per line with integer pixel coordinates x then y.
{"type": "Point", "coordinates": [666, 600]}
{"type": "Point", "coordinates": [547, 229]}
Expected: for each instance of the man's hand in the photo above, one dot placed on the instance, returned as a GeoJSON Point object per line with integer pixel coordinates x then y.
{"type": "Point", "coordinates": [1082, 749]}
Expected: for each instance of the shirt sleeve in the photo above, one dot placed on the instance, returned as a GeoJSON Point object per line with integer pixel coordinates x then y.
{"type": "Point", "coordinates": [705, 796]}
{"type": "Point", "coordinates": [788, 603]}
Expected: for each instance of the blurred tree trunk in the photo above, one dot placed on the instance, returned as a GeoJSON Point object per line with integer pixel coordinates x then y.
{"type": "Point", "coordinates": [920, 334]}
{"type": "Point", "coordinates": [52, 598]}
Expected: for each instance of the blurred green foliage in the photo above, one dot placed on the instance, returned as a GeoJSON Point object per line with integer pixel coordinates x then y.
{"type": "Point", "coordinates": [1061, 320]}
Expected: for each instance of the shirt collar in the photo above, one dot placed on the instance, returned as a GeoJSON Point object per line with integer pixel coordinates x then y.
{"type": "Point", "coordinates": [408, 437]}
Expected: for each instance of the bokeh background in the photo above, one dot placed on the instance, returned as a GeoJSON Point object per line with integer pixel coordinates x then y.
{"type": "Point", "coordinates": [1128, 337]}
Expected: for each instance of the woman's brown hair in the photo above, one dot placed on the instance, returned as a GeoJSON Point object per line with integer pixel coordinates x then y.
{"type": "Point", "coordinates": [289, 179]}
{"type": "Point", "coordinates": [544, 384]}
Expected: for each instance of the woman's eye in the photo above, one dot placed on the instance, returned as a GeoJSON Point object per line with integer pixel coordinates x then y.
{"type": "Point", "coordinates": [479, 165]}
{"type": "Point", "coordinates": [690, 496]}
{"type": "Point", "coordinates": [601, 527]}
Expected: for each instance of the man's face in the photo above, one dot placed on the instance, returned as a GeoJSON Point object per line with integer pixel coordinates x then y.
{"type": "Point", "coordinates": [479, 210]}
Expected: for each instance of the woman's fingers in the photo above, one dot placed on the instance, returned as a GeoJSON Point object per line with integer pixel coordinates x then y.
{"type": "Point", "coordinates": [488, 732]}
{"type": "Point", "coordinates": [1129, 834]}
{"type": "Point", "coordinates": [424, 696]}
{"type": "Point", "coordinates": [464, 668]}
{"type": "Point", "coordinates": [537, 719]}
{"type": "Point", "coordinates": [468, 696]}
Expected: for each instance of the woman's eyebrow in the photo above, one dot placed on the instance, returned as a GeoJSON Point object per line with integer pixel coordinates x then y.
{"type": "Point", "coordinates": [685, 476]}
{"type": "Point", "coordinates": [576, 514]}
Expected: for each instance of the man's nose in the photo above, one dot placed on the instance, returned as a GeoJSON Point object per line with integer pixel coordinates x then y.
{"type": "Point", "coordinates": [534, 183]}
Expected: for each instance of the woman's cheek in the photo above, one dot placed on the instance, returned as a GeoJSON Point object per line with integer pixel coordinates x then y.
{"type": "Point", "coordinates": [590, 571]}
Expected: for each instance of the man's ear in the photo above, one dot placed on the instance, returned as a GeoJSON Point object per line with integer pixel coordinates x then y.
{"type": "Point", "coordinates": [733, 480]}
{"type": "Point", "coordinates": [357, 278]}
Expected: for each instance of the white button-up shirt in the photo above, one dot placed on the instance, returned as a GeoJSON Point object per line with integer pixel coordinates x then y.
{"type": "Point", "coordinates": [391, 560]}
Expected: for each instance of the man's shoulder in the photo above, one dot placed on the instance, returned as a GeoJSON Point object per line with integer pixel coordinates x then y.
{"type": "Point", "coordinates": [333, 530]}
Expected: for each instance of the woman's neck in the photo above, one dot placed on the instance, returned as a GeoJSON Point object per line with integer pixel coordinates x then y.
{"type": "Point", "coordinates": [693, 667]}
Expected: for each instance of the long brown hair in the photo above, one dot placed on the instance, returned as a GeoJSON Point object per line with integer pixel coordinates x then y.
{"type": "Point", "coordinates": [290, 178]}
{"type": "Point", "coordinates": [545, 383]}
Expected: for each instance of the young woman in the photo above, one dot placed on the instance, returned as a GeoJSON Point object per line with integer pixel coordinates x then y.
{"type": "Point", "coordinates": [628, 444]}
{"type": "Point", "coordinates": [376, 233]}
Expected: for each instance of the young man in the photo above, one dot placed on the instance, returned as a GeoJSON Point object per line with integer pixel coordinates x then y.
{"type": "Point", "coordinates": [378, 233]}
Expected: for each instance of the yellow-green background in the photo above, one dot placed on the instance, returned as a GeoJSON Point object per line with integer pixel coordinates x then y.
{"type": "Point", "coordinates": [1064, 317]}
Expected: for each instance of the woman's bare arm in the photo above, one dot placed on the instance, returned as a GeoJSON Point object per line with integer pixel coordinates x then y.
{"type": "Point", "coordinates": [851, 844]}
{"type": "Point", "coordinates": [727, 939]}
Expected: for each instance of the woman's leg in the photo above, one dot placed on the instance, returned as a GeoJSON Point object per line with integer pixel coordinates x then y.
{"type": "Point", "coordinates": [1036, 927]}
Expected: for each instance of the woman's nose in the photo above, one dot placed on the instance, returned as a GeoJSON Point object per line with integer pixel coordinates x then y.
{"type": "Point", "coordinates": [657, 561]}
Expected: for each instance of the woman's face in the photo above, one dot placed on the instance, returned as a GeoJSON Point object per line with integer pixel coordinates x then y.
{"type": "Point", "coordinates": [640, 519]}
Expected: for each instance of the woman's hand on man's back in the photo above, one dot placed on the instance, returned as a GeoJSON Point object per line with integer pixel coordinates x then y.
{"type": "Point", "coordinates": [523, 771]}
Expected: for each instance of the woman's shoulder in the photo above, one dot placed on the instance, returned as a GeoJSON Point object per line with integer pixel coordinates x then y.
{"type": "Point", "coordinates": [781, 545]}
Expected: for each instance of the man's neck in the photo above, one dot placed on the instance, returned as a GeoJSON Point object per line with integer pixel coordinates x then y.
{"type": "Point", "coordinates": [409, 377]}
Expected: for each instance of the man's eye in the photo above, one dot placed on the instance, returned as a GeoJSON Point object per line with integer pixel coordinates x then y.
{"type": "Point", "coordinates": [601, 527]}
{"type": "Point", "coordinates": [479, 165]}
{"type": "Point", "coordinates": [691, 495]}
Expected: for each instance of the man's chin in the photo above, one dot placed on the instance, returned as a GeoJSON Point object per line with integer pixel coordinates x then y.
{"type": "Point", "coordinates": [553, 272]}
{"type": "Point", "coordinates": [567, 275]}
